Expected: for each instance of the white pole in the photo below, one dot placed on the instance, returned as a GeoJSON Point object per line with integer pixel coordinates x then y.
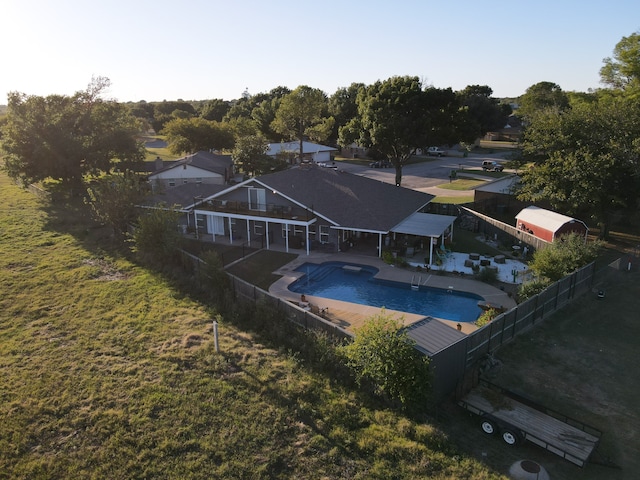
{"type": "Point", "coordinates": [215, 336]}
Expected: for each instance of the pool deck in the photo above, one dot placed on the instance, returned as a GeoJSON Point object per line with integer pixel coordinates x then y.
{"type": "Point", "coordinates": [350, 315]}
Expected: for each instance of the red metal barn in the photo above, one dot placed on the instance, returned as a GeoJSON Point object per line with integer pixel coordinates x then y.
{"type": "Point", "coordinates": [548, 225]}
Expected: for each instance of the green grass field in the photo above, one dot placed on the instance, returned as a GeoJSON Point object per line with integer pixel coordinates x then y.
{"type": "Point", "coordinates": [109, 371]}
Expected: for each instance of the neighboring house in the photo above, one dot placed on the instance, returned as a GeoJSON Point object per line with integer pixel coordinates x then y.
{"type": "Point", "coordinates": [308, 207]}
{"type": "Point", "coordinates": [200, 167]}
{"type": "Point", "coordinates": [548, 225]}
{"type": "Point", "coordinates": [310, 151]}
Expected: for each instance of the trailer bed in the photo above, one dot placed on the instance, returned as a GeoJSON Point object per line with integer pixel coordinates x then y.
{"type": "Point", "coordinates": [562, 436]}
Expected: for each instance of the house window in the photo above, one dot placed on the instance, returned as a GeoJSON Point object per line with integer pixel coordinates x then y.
{"type": "Point", "coordinates": [172, 182]}
{"type": "Point", "coordinates": [199, 180]}
{"type": "Point", "coordinates": [258, 228]}
{"type": "Point", "coordinates": [185, 181]}
{"type": "Point", "coordinates": [257, 199]}
{"type": "Point", "coordinates": [324, 233]}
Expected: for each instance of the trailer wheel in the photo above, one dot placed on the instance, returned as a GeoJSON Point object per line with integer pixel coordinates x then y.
{"type": "Point", "coordinates": [510, 437]}
{"type": "Point", "coordinates": [488, 427]}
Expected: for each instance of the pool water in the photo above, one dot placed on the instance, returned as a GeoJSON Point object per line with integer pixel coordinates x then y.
{"type": "Point", "coordinates": [355, 284]}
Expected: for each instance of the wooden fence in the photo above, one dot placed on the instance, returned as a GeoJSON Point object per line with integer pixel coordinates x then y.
{"type": "Point", "coordinates": [515, 233]}
{"type": "Point", "coordinates": [454, 362]}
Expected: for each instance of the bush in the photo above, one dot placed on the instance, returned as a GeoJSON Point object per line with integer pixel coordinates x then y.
{"type": "Point", "coordinates": [382, 354]}
{"type": "Point", "coordinates": [530, 289]}
{"type": "Point", "coordinates": [487, 275]}
{"type": "Point", "coordinates": [486, 317]}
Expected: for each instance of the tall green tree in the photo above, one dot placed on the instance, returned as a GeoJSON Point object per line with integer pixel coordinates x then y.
{"type": "Point", "coordinates": [396, 117]}
{"type": "Point", "coordinates": [343, 107]}
{"type": "Point", "coordinates": [622, 72]}
{"type": "Point", "coordinates": [301, 115]}
{"type": "Point", "coordinates": [215, 109]}
{"type": "Point", "coordinates": [383, 355]}
{"type": "Point", "coordinates": [589, 159]}
{"type": "Point", "coordinates": [250, 155]}
{"type": "Point", "coordinates": [64, 138]}
{"type": "Point", "coordinates": [190, 135]}
{"type": "Point", "coordinates": [542, 96]}
{"type": "Point", "coordinates": [484, 113]}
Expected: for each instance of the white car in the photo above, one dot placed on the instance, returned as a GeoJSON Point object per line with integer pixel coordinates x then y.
{"type": "Point", "coordinates": [435, 152]}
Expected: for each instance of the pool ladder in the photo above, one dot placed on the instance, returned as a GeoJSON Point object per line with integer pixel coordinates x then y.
{"type": "Point", "coordinates": [415, 285]}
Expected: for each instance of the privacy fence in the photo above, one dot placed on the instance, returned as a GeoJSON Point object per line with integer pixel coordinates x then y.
{"type": "Point", "coordinates": [451, 364]}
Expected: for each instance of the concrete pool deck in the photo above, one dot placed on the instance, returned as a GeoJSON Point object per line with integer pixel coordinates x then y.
{"type": "Point", "coordinates": [350, 315]}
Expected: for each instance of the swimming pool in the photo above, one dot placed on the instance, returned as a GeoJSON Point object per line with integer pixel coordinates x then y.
{"type": "Point", "coordinates": [355, 283]}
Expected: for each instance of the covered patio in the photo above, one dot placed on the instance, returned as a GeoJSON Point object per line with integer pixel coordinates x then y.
{"type": "Point", "coordinates": [431, 226]}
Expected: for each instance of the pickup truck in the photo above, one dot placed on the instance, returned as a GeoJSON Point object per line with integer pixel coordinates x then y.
{"type": "Point", "coordinates": [489, 165]}
{"type": "Point", "coordinates": [435, 152]}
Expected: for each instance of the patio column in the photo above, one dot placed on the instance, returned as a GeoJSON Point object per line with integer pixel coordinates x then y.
{"type": "Point", "coordinates": [286, 237]}
{"type": "Point", "coordinates": [230, 232]}
{"type": "Point", "coordinates": [380, 245]}
{"type": "Point", "coordinates": [430, 251]}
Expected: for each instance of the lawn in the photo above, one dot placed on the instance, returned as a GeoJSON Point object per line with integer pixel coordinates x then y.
{"type": "Point", "coordinates": [581, 362]}
{"type": "Point", "coordinates": [109, 371]}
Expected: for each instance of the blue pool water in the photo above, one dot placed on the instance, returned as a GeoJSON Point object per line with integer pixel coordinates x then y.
{"type": "Point", "coordinates": [331, 280]}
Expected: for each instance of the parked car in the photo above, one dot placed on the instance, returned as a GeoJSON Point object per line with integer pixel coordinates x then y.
{"type": "Point", "coordinates": [435, 152]}
{"type": "Point", "coordinates": [491, 166]}
{"type": "Point", "coordinates": [381, 164]}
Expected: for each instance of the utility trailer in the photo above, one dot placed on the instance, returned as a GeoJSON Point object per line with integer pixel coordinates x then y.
{"type": "Point", "coordinates": [517, 419]}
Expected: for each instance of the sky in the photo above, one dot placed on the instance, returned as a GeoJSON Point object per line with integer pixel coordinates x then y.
{"type": "Point", "coordinates": [205, 49]}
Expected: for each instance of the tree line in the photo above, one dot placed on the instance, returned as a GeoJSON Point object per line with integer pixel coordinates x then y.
{"type": "Point", "coordinates": [580, 149]}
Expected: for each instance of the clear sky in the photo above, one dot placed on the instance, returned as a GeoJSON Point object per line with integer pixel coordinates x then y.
{"type": "Point", "coordinates": [204, 49]}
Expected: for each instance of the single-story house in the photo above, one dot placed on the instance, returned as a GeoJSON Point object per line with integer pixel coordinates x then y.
{"type": "Point", "coordinates": [548, 225]}
{"type": "Point", "coordinates": [310, 151]}
{"type": "Point", "coordinates": [200, 167]}
{"type": "Point", "coordinates": [307, 207]}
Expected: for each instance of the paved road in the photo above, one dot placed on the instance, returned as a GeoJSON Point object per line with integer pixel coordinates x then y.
{"type": "Point", "coordinates": [425, 176]}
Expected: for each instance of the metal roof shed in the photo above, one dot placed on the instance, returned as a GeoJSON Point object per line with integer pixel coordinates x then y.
{"type": "Point", "coordinates": [548, 225]}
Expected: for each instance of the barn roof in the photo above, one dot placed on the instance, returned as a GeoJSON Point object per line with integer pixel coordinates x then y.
{"type": "Point", "coordinates": [546, 219]}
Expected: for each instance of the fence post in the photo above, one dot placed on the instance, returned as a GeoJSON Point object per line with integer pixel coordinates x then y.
{"type": "Point", "coordinates": [215, 336]}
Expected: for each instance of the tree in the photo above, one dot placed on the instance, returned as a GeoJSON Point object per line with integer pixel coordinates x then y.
{"type": "Point", "coordinates": [190, 135]}
{"type": "Point", "coordinates": [156, 237]}
{"type": "Point", "coordinates": [382, 353]}
{"type": "Point", "coordinates": [589, 159]}
{"type": "Point", "coordinates": [250, 154]}
{"type": "Point", "coordinates": [396, 117]}
{"type": "Point", "coordinates": [343, 106]}
{"type": "Point", "coordinates": [65, 138]}
{"type": "Point", "coordinates": [301, 115]}
{"type": "Point", "coordinates": [485, 114]}
{"type": "Point", "coordinates": [113, 199]}
{"type": "Point", "coordinates": [622, 72]}
{"type": "Point", "coordinates": [542, 96]}
{"type": "Point", "coordinates": [215, 109]}
{"type": "Point", "coordinates": [562, 257]}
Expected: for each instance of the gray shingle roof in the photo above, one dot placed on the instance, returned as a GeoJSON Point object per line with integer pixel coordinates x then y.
{"type": "Point", "coordinates": [351, 201]}
{"type": "Point", "coordinates": [208, 161]}
{"type": "Point", "coordinates": [183, 195]}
